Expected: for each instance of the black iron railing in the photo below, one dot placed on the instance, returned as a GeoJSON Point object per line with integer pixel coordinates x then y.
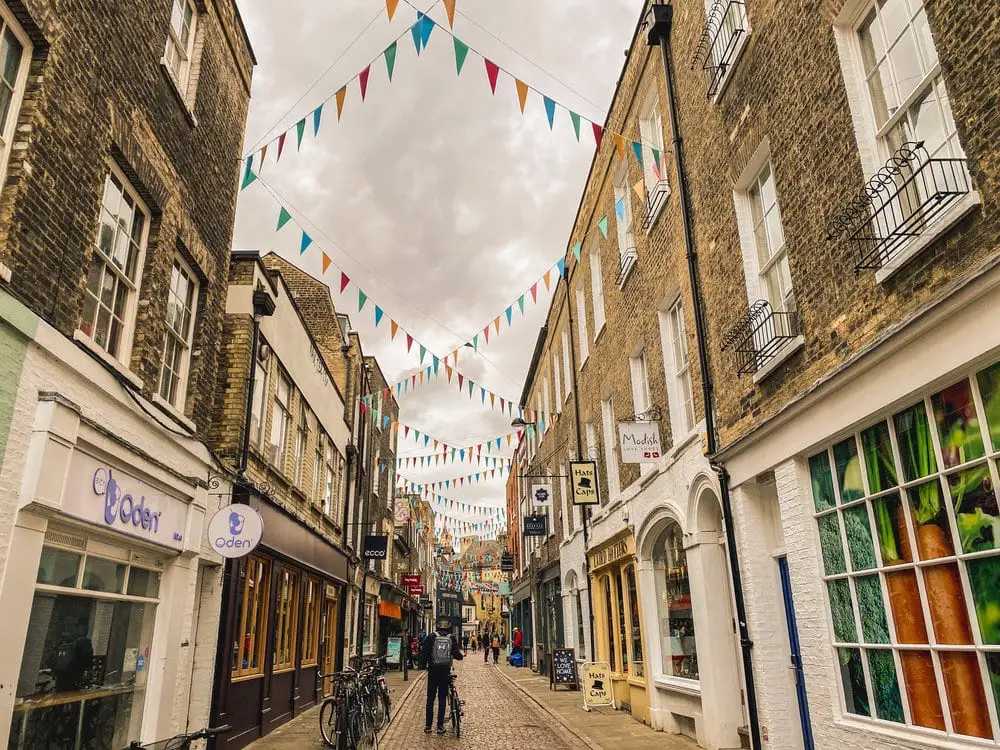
{"type": "Point", "coordinates": [655, 198]}
{"type": "Point", "coordinates": [725, 26]}
{"type": "Point", "coordinates": [898, 203]}
{"type": "Point", "coordinates": [626, 260]}
{"type": "Point", "coordinates": [759, 335]}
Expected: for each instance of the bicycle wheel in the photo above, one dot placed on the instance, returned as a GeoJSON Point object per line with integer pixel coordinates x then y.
{"type": "Point", "coordinates": [387, 703]}
{"type": "Point", "coordinates": [380, 711]}
{"type": "Point", "coordinates": [364, 736]}
{"type": "Point", "coordinates": [328, 722]}
{"type": "Point", "coordinates": [456, 713]}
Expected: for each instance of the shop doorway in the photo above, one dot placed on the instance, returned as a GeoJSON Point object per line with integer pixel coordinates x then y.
{"type": "Point", "coordinates": [796, 655]}
{"type": "Point", "coordinates": [329, 644]}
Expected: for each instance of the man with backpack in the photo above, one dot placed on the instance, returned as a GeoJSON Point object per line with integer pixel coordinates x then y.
{"type": "Point", "coordinates": [439, 650]}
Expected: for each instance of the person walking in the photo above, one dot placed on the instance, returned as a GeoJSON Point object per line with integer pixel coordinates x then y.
{"type": "Point", "coordinates": [465, 642]}
{"type": "Point", "coordinates": [439, 651]}
{"type": "Point", "coordinates": [495, 647]}
{"type": "Point", "coordinates": [486, 647]}
{"type": "Point", "coordinates": [518, 641]}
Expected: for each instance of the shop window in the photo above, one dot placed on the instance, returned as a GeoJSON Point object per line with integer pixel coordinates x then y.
{"type": "Point", "coordinates": [251, 630]}
{"type": "Point", "coordinates": [621, 638]}
{"type": "Point", "coordinates": [287, 619]}
{"type": "Point", "coordinates": [86, 656]}
{"type": "Point", "coordinates": [635, 629]}
{"type": "Point", "coordinates": [580, 641]}
{"type": "Point", "coordinates": [673, 605]}
{"type": "Point", "coordinates": [609, 622]}
{"type": "Point", "coordinates": [909, 532]}
{"type": "Point", "coordinates": [312, 601]}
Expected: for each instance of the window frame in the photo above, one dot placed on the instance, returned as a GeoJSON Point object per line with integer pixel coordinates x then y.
{"type": "Point", "coordinates": [655, 188]}
{"type": "Point", "coordinates": [680, 385]}
{"type": "Point", "coordinates": [8, 129]}
{"type": "Point", "coordinates": [329, 478]}
{"type": "Point", "coordinates": [281, 410]}
{"type": "Point", "coordinates": [597, 290]}
{"type": "Point", "coordinates": [567, 372]}
{"type": "Point", "coordinates": [188, 345]}
{"type": "Point", "coordinates": [312, 600]}
{"type": "Point", "coordinates": [625, 226]}
{"type": "Point", "coordinates": [319, 461]}
{"type": "Point", "coordinates": [663, 608]}
{"type": "Point", "coordinates": [301, 441]}
{"type": "Point", "coordinates": [581, 318]}
{"type": "Point", "coordinates": [261, 617]}
{"type": "Point", "coordinates": [258, 406]}
{"type": "Point", "coordinates": [185, 51]}
{"type": "Point", "coordinates": [286, 620]}
{"type": "Point", "coordinates": [557, 381]}
{"type": "Point", "coordinates": [610, 432]}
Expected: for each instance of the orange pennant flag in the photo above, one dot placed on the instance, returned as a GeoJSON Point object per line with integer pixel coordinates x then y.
{"type": "Point", "coordinates": [393, 329]}
{"type": "Point", "coordinates": [497, 323]}
{"type": "Point", "coordinates": [545, 278]}
{"type": "Point", "coordinates": [454, 357]}
{"type": "Point", "coordinates": [522, 92]}
{"type": "Point", "coordinates": [448, 370]}
{"type": "Point", "coordinates": [449, 5]}
{"type": "Point", "coordinates": [640, 189]}
{"type": "Point", "coordinates": [390, 7]}
{"type": "Point", "coordinates": [491, 399]}
{"type": "Point", "coordinates": [326, 262]}
{"type": "Point", "coordinates": [263, 155]}
{"type": "Point", "coordinates": [341, 95]}
{"type": "Point", "coordinates": [421, 377]}
{"type": "Point", "coordinates": [620, 145]}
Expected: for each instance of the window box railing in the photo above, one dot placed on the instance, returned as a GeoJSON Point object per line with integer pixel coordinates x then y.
{"type": "Point", "coordinates": [626, 260]}
{"type": "Point", "coordinates": [759, 336]}
{"type": "Point", "coordinates": [898, 204]}
{"type": "Point", "coordinates": [655, 198]}
{"type": "Point", "coordinates": [725, 27]}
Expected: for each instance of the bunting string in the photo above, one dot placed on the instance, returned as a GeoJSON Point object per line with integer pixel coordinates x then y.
{"type": "Point", "coordinates": [411, 486]}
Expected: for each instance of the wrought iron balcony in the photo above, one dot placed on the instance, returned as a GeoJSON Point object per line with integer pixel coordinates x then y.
{"type": "Point", "coordinates": [759, 335]}
{"type": "Point", "coordinates": [898, 203]}
{"type": "Point", "coordinates": [626, 260]}
{"type": "Point", "coordinates": [725, 26]}
{"type": "Point", "coordinates": [655, 199]}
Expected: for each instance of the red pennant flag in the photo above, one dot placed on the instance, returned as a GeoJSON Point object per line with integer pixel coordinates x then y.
{"type": "Point", "coordinates": [486, 332]}
{"type": "Point", "coordinates": [326, 262]}
{"type": "Point", "coordinates": [501, 408]}
{"type": "Point", "coordinates": [406, 430]}
{"type": "Point", "coordinates": [281, 145]}
{"type": "Point", "coordinates": [598, 131]}
{"type": "Point", "coordinates": [492, 70]}
{"type": "Point", "coordinates": [344, 281]}
{"type": "Point", "coordinates": [461, 377]}
{"type": "Point", "coordinates": [534, 292]}
{"type": "Point", "coordinates": [363, 80]}
{"type": "Point", "coordinates": [409, 343]}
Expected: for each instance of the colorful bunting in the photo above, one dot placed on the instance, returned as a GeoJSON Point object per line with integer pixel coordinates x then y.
{"type": "Point", "coordinates": [415, 32]}
{"type": "Point", "coordinates": [306, 242]}
{"type": "Point", "coordinates": [341, 95]}
{"type": "Point", "coordinates": [492, 71]}
{"type": "Point", "coordinates": [283, 218]}
{"type": "Point", "coordinates": [363, 80]}
{"type": "Point", "coordinates": [576, 123]}
{"type": "Point", "coordinates": [326, 262]}
{"type": "Point", "coordinates": [449, 6]}
{"type": "Point", "coordinates": [300, 129]}
{"type": "Point", "coordinates": [344, 281]}
{"type": "Point", "coordinates": [522, 92]}
{"type": "Point", "coordinates": [362, 298]}
{"type": "Point", "coordinates": [550, 110]}
{"type": "Point", "coordinates": [378, 315]}
{"type": "Point", "coordinates": [390, 7]}
{"type": "Point", "coordinates": [390, 58]}
{"type": "Point", "coordinates": [602, 224]}
{"type": "Point", "coordinates": [426, 27]}
{"type": "Point", "coordinates": [317, 114]}
{"type": "Point", "coordinates": [598, 133]}
{"type": "Point", "coordinates": [461, 50]}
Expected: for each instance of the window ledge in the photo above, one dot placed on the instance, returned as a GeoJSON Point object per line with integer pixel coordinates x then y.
{"type": "Point", "coordinates": [628, 273]}
{"type": "Point", "coordinates": [584, 361]}
{"type": "Point", "coordinates": [913, 248]}
{"type": "Point", "coordinates": [176, 414]}
{"type": "Point", "coordinates": [678, 685]}
{"type": "Point", "coordinates": [775, 362]}
{"type": "Point", "coordinates": [724, 83]}
{"type": "Point", "coordinates": [599, 331]}
{"type": "Point", "coordinates": [657, 212]}
{"type": "Point", "coordinates": [178, 94]}
{"type": "Point", "coordinates": [81, 338]}
{"type": "Point", "coordinates": [684, 442]}
{"type": "Point", "coordinates": [906, 734]}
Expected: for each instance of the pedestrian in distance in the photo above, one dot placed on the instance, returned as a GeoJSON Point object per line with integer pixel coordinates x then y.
{"type": "Point", "coordinates": [439, 651]}
{"type": "Point", "coordinates": [495, 647]}
{"type": "Point", "coordinates": [465, 643]}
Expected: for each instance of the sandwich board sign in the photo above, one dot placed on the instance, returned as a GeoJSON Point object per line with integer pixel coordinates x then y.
{"type": "Point", "coordinates": [597, 687]}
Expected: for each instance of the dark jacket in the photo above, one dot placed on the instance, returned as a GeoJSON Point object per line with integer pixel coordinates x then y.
{"type": "Point", "coordinates": [425, 651]}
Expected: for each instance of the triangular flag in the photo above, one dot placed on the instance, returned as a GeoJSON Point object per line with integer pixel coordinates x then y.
{"type": "Point", "coordinates": [640, 188]}
{"type": "Point", "coordinates": [461, 378]}
{"type": "Point", "coordinates": [423, 352]}
{"type": "Point", "coordinates": [263, 154]}
{"type": "Point", "coordinates": [248, 176]}
{"type": "Point", "coordinates": [496, 322]}
{"type": "Point", "coordinates": [362, 298]}
{"type": "Point", "coordinates": [520, 303]}
{"type": "Point", "coordinates": [300, 129]}
{"type": "Point", "coordinates": [378, 315]}
{"type": "Point", "coordinates": [576, 123]}
{"type": "Point", "coordinates": [545, 278]}
{"type": "Point", "coordinates": [306, 242]}
{"type": "Point", "coordinates": [561, 267]}
{"type": "Point", "coordinates": [550, 110]}
{"type": "Point", "coordinates": [598, 132]}
{"type": "Point", "coordinates": [281, 145]}
{"type": "Point", "coordinates": [344, 281]}
{"type": "Point", "coordinates": [390, 58]}
{"type": "Point", "coordinates": [415, 33]}
{"type": "Point", "coordinates": [426, 27]}
{"type": "Point", "coordinates": [475, 343]}
{"type": "Point", "coordinates": [283, 218]}
{"type": "Point", "coordinates": [363, 80]}
{"type": "Point", "coordinates": [620, 145]}
{"type": "Point", "coordinates": [492, 70]}
{"type": "Point", "coordinates": [656, 161]}
{"type": "Point", "coordinates": [534, 292]}
{"type": "Point", "coordinates": [449, 6]}
{"type": "Point", "coordinates": [637, 148]}
{"type": "Point", "coordinates": [576, 250]}
{"type": "Point", "coordinates": [461, 50]}
{"type": "Point", "coordinates": [393, 329]}
{"type": "Point", "coordinates": [341, 95]}
{"type": "Point", "coordinates": [326, 262]}
{"type": "Point", "coordinates": [509, 311]}
{"type": "Point", "coordinates": [448, 371]}
{"type": "Point", "coordinates": [522, 92]}
{"type": "Point", "coordinates": [390, 7]}
{"type": "Point", "coordinates": [409, 345]}
{"type": "Point", "coordinates": [620, 208]}
{"type": "Point", "coordinates": [603, 226]}
{"type": "Point", "coordinates": [317, 114]}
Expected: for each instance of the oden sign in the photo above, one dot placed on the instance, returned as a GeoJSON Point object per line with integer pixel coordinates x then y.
{"type": "Point", "coordinates": [235, 530]}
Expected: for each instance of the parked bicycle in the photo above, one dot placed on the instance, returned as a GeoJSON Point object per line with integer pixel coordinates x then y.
{"type": "Point", "coordinates": [359, 708]}
{"type": "Point", "coordinates": [181, 741]}
{"type": "Point", "coordinates": [455, 705]}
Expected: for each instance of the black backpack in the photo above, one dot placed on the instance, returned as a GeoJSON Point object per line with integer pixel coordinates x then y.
{"type": "Point", "coordinates": [441, 651]}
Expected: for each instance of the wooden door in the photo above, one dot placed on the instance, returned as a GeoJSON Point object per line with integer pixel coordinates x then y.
{"type": "Point", "coordinates": [329, 643]}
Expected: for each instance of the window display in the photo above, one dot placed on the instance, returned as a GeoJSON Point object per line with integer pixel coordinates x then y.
{"type": "Point", "coordinates": [909, 531]}
{"type": "Point", "coordinates": [673, 603]}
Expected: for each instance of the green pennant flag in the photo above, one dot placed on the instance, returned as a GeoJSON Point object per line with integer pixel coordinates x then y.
{"type": "Point", "coordinates": [300, 129]}
{"type": "Point", "coordinates": [362, 298]}
{"type": "Point", "coordinates": [576, 250]}
{"type": "Point", "coordinates": [576, 123]}
{"type": "Point", "coordinates": [248, 177]}
{"type": "Point", "coordinates": [475, 342]}
{"type": "Point", "coordinates": [390, 59]}
{"type": "Point", "coordinates": [283, 218]}
{"type": "Point", "coordinates": [603, 226]}
{"type": "Point", "coordinates": [423, 351]}
{"type": "Point", "coordinates": [520, 303]}
{"type": "Point", "coordinates": [461, 50]}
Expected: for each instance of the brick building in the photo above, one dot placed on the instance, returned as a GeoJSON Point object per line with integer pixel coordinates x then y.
{"type": "Point", "coordinates": [120, 135]}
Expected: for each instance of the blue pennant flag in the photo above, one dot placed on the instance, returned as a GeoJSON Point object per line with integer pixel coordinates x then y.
{"type": "Point", "coordinates": [561, 265]}
{"type": "Point", "coordinates": [550, 110]}
{"type": "Point", "coordinates": [378, 315]}
{"type": "Point", "coordinates": [620, 208]}
{"type": "Point", "coordinates": [426, 27]}
{"type": "Point", "coordinates": [637, 147]}
{"type": "Point", "coordinates": [306, 242]}
{"type": "Point", "coordinates": [415, 33]}
{"type": "Point", "coordinates": [509, 311]}
{"type": "Point", "coordinates": [317, 114]}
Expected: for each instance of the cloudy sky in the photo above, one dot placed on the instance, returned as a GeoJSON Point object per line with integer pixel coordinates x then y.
{"type": "Point", "coordinates": [441, 200]}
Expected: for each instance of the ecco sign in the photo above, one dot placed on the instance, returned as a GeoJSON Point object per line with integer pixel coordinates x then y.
{"type": "Point", "coordinates": [235, 530]}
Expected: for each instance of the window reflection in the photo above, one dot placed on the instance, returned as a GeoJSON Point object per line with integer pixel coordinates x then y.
{"type": "Point", "coordinates": [673, 603]}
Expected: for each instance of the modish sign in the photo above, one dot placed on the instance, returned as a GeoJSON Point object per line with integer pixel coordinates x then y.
{"type": "Point", "coordinates": [639, 442]}
{"type": "Point", "coordinates": [235, 531]}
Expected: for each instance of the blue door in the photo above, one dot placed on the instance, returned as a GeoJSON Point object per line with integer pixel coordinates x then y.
{"type": "Point", "coordinates": [796, 655]}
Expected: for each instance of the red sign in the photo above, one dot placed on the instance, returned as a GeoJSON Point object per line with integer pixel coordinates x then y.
{"type": "Point", "coordinates": [415, 589]}
{"type": "Point", "coordinates": [409, 578]}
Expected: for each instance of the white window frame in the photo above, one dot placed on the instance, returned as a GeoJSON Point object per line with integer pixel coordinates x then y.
{"type": "Point", "coordinates": [329, 503]}
{"type": "Point", "coordinates": [657, 189]}
{"type": "Point", "coordinates": [261, 377]}
{"type": "Point", "coordinates": [624, 228]}
{"type": "Point", "coordinates": [557, 381]}
{"type": "Point", "coordinates": [581, 318]}
{"type": "Point", "coordinates": [548, 402]}
{"type": "Point", "coordinates": [610, 430]}
{"type": "Point", "coordinates": [873, 145]}
{"type": "Point", "coordinates": [185, 52]}
{"type": "Point", "coordinates": [301, 441]}
{"type": "Point", "coordinates": [639, 371]}
{"type": "Point", "coordinates": [281, 411]}
{"type": "Point", "coordinates": [9, 127]}
{"type": "Point", "coordinates": [132, 286]}
{"type": "Point", "coordinates": [567, 373]}
{"type": "Point", "coordinates": [186, 343]}
{"type": "Point", "coordinates": [680, 388]}
{"type": "Point", "coordinates": [597, 290]}
{"type": "Point", "coordinates": [318, 463]}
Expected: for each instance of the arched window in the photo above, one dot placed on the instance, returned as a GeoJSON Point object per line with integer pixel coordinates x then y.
{"type": "Point", "coordinates": [673, 604]}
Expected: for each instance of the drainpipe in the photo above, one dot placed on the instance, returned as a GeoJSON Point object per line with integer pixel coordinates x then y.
{"type": "Point", "coordinates": [362, 432]}
{"type": "Point", "coordinates": [658, 23]}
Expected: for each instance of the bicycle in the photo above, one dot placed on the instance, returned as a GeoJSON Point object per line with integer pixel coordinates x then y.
{"type": "Point", "coordinates": [181, 741]}
{"type": "Point", "coordinates": [376, 691]}
{"type": "Point", "coordinates": [455, 705]}
{"type": "Point", "coordinates": [346, 719]}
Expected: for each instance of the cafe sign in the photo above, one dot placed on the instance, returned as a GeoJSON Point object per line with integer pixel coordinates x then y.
{"type": "Point", "coordinates": [613, 552]}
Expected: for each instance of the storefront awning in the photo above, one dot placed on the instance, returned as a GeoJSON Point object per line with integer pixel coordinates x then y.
{"type": "Point", "coordinates": [390, 610]}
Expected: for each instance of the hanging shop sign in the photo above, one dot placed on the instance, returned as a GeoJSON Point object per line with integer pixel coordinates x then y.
{"type": "Point", "coordinates": [409, 579]}
{"type": "Point", "coordinates": [376, 547]}
{"type": "Point", "coordinates": [235, 531]}
{"type": "Point", "coordinates": [583, 479]}
{"type": "Point", "coordinates": [541, 494]}
{"type": "Point", "coordinates": [597, 687]}
{"type": "Point", "coordinates": [639, 442]}
{"type": "Point", "coordinates": [613, 552]}
{"type": "Point", "coordinates": [506, 562]}
{"type": "Point", "coordinates": [535, 525]}
{"type": "Point", "coordinates": [415, 589]}
{"type": "Point", "coordinates": [106, 496]}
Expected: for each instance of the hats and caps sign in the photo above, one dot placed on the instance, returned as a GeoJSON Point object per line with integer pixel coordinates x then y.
{"type": "Point", "coordinates": [235, 531]}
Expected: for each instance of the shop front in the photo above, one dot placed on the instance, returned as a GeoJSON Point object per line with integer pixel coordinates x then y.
{"type": "Point", "coordinates": [618, 620]}
{"type": "Point", "coordinates": [282, 605]}
{"type": "Point", "coordinates": [550, 617]}
{"type": "Point", "coordinates": [521, 618]}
